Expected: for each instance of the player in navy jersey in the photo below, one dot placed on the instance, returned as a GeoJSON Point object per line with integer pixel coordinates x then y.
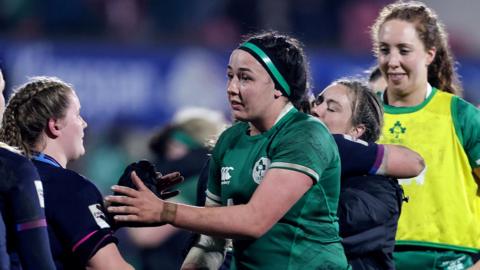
{"type": "Point", "coordinates": [369, 205]}
{"type": "Point", "coordinates": [43, 119]}
{"type": "Point", "coordinates": [24, 233]}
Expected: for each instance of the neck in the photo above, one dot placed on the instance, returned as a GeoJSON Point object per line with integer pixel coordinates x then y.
{"type": "Point", "coordinates": [55, 153]}
{"type": "Point", "coordinates": [272, 115]}
{"type": "Point", "coordinates": [414, 98]}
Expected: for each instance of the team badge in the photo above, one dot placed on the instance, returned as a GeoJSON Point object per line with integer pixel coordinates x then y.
{"type": "Point", "coordinates": [98, 215]}
{"type": "Point", "coordinates": [259, 169]}
{"type": "Point", "coordinates": [39, 188]}
{"type": "Point", "coordinates": [397, 130]}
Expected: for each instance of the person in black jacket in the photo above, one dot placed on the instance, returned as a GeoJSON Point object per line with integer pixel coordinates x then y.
{"type": "Point", "coordinates": [370, 197]}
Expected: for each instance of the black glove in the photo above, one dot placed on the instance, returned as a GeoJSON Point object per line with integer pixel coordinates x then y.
{"type": "Point", "coordinates": [159, 184]}
{"type": "Point", "coordinates": [153, 180]}
{"type": "Point", "coordinates": [145, 171]}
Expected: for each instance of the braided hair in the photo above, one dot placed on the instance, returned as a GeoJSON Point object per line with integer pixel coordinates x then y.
{"type": "Point", "coordinates": [29, 110]}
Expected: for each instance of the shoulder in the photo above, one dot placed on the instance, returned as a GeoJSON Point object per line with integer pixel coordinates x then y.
{"type": "Point", "coordinates": [236, 129]}
{"type": "Point", "coordinates": [464, 107]}
{"type": "Point", "coordinates": [304, 127]}
{"type": "Point", "coordinates": [16, 172]}
{"type": "Point", "coordinates": [18, 164]}
{"type": "Point", "coordinates": [64, 180]}
{"type": "Point", "coordinates": [465, 116]}
{"type": "Point", "coordinates": [15, 159]}
{"type": "Point", "coordinates": [231, 134]}
{"type": "Point", "coordinates": [307, 124]}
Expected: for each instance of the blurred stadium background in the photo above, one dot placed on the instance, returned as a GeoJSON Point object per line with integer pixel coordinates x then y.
{"type": "Point", "coordinates": [134, 63]}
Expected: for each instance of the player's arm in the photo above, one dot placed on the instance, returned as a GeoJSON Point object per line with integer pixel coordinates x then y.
{"type": "Point", "coordinates": [106, 258]}
{"type": "Point", "coordinates": [359, 158]}
{"type": "Point", "coordinates": [400, 162]}
{"type": "Point", "coordinates": [31, 228]}
{"type": "Point", "coordinates": [278, 192]}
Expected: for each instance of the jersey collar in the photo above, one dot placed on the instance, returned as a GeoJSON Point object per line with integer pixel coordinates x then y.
{"type": "Point", "coordinates": [288, 107]}
{"type": "Point", "coordinates": [46, 159]}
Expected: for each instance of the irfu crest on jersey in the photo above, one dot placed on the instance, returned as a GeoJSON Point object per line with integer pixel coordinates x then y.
{"type": "Point", "coordinates": [259, 169]}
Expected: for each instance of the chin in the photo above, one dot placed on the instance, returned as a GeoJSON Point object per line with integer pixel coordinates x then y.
{"type": "Point", "coordinates": [79, 153]}
{"type": "Point", "coordinates": [239, 116]}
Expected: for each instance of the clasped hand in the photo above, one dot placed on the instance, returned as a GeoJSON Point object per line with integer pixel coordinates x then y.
{"type": "Point", "coordinates": [140, 206]}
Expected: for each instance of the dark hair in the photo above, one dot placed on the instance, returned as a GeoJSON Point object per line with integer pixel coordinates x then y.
{"type": "Point", "coordinates": [288, 55]}
{"type": "Point", "coordinates": [366, 108]}
{"type": "Point", "coordinates": [441, 72]}
{"type": "Point", "coordinates": [374, 73]}
{"type": "Point", "coordinates": [29, 109]}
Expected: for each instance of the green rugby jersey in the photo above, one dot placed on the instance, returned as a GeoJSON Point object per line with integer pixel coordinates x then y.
{"type": "Point", "coordinates": [307, 236]}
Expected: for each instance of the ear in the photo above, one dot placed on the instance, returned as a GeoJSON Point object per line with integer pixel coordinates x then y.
{"type": "Point", "coordinates": [431, 55]}
{"type": "Point", "coordinates": [53, 128]}
{"type": "Point", "coordinates": [277, 93]}
{"type": "Point", "coordinates": [357, 132]}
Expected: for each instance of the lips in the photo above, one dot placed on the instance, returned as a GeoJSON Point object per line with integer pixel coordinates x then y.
{"type": "Point", "coordinates": [396, 77]}
{"type": "Point", "coordinates": [236, 105]}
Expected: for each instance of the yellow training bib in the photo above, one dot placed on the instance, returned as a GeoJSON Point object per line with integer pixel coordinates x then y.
{"type": "Point", "coordinates": [443, 207]}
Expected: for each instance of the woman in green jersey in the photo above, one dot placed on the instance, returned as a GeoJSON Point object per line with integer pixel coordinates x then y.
{"type": "Point", "coordinates": [439, 227]}
{"type": "Point", "coordinates": [274, 176]}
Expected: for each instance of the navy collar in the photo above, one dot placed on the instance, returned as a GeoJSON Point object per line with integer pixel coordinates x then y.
{"type": "Point", "coordinates": [46, 159]}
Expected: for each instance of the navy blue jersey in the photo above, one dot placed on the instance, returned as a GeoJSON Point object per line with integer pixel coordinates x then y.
{"type": "Point", "coordinates": [358, 157]}
{"type": "Point", "coordinates": [74, 209]}
{"type": "Point", "coordinates": [21, 204]}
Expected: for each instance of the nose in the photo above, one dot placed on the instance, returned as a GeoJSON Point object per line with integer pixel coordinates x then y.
{"type": "Point", "coordinates": [393, 59]}
{"type": "Point", "coordinates": [232, 86]}
{"type": "Point", "coordinates": [84, 123]}
{"type": "Point", "coordinates": [318, 110]}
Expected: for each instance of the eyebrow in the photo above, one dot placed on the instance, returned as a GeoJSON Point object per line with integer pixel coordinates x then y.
{"type": "Point", "coordinates": [241, 69]}
{"type": "Point", "coordinates": [399, 44]}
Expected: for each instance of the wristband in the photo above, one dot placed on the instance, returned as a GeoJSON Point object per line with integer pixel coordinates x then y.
{"type": "Point", "coordinates": [169, 212]}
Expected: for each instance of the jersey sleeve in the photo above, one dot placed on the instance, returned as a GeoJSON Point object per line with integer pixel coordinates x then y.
{"type": "Point", "coordinates": [82, 222]}
{"type": "Point", "coordinates": [214, 175]}
{"type": "Point", "coordinates": [467, 124]}
{"type": "Point", "coordinates": [202, 184]}
{"type": "Point", "coordinates": [306, 147]}
{"type": "Point", "coordinates": [26, 198]}
{"type": "Point", "coordinates": [358, 157]}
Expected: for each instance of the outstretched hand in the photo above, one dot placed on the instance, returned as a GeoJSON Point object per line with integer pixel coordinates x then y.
{"type": "Point", "coordinates": [152, 179]}
{"type": "Point", "coordinates": [138, 207]}
{"type": "Point", "coordinates": [165, 182]}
